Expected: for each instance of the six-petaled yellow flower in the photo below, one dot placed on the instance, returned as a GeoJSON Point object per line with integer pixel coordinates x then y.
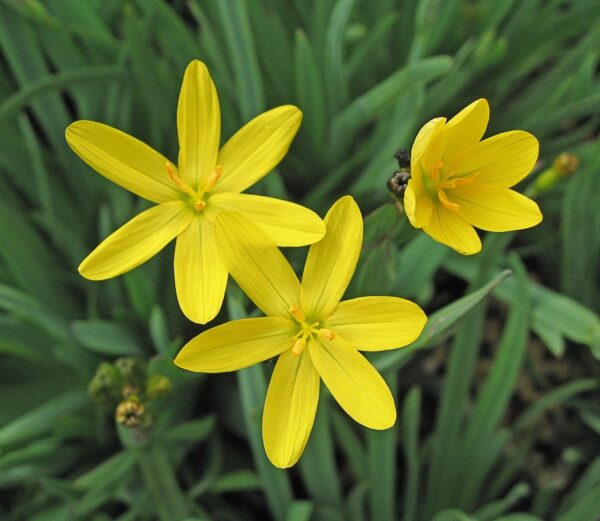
{"type": "Point", "coordinates": [459, 182]}
{"type": "Point", "coordinates": [315, 335]}
{"type": "Point", "coordinates": [189, 196]}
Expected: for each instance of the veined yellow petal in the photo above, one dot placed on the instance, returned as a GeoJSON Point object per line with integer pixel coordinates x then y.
{"type": "Point", "coordinates": [290, 408]}
{"type": "Point", "coordinates": [257, 148]}
{"type": "Point", "coordinates": [495, 208]}
{"type": "Point", "coordinates": [122, 159]}
{"type": "Point", "coordinates": [429, 130]}
{"type": "Point", "coordinates": [503, 159]}
{"type": "Point", "coordinates": [449, 228]}
{"type": "Point", "coordinates": [464, 131]}
{"type": "Point", "coordinates": [418, 204]}
{"type": "Point", "coordinates": [198, 124]}
{"type": "Point", "coordinates": [331, 262]}
{"type": "Point", "coordinates": [136, 241]}
{"type": "Point", "coordinates": [354, 383]}
{"type": "Point", "coordinates": [200, 275]}
{"type": "Point", "coordinates": [288, 224]}
{"type": "Point", "coordinates": [377, 323]}
{"type": "Point", "coordinates": [256, 264]}
{"type": "Point", "coordinates": [237, 344]}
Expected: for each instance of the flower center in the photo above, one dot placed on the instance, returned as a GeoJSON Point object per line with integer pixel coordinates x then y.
{"type": "Point", "coordinates": [307, 331]}
{"type": "Point", "coordinates": [437, 185]}
{"type": "Point", "coordinates": [196, 197]}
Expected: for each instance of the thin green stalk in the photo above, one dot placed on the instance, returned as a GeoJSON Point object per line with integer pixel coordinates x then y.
{"type": "Point", "coordinates": [317, 465]}
{"type": "Point", "coordinates": [381, 446]}
{"type": "Point", "coordinates": [159, 476]}
{"type": "Point", "coordinates": [275, 482]}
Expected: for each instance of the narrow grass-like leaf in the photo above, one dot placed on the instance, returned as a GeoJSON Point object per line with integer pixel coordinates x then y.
{"type": "Point", "coordinates": [253, 389]}
{"type": "Point", "coordinates": [382, 448]}
{"type": "Point", "coordinates": [41, 419]}
{"type": "Point", "coordinates": [324, 485]}
{"type": "Point", "coordinates": [409, 436]}
{"type": "Point", "coordinates": [371, 104]}
{"type": "Point", "coordinates": [494, 395]}
{"type": "Point", "coordinates": [107, 473]}
{"type": "Point", "coordinates": [106, 337]}
{"type": "Point", "coordinates": [440, 323]}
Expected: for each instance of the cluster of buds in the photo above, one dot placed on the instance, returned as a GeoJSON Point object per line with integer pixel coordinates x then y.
{"type": "Point", "coordinates": [126, 386]}
{"type": "Point", "coordinates": [563, 165]}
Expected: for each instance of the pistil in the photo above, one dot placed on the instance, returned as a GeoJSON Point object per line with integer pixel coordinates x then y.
{"type": "Point", "coordinates": [307, 331]}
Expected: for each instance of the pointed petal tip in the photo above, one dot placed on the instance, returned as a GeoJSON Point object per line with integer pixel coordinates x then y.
{"type": "Point", "coordinates": [385, 424]}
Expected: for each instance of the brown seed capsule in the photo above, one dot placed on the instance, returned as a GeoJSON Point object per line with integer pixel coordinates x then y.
{"type": "Point", "coordinates": [399, 180]}
{"type": "Point", "coordinates": [398, 183]}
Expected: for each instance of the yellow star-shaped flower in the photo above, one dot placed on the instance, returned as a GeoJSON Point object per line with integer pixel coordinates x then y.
{"type": "Point", "coordinates": [315, 335]}
{"type": "Point", "coordinates": [189, 197]}
{"type": "Point", "coordinates": [459, 182]}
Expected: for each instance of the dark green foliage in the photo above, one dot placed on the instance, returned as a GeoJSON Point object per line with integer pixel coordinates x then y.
{"type": "Point", "coordinates": [481, 402]}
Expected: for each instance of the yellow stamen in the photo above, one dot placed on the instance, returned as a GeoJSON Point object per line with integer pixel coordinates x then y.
{"type": "Point", "coordinates": [435, 171]}
{"type": "Point", "coordinates": [327, 333]}
{"type": "Point", "coordinates": [199, 205]}
{"type": "Point", "coordinates": [444, 200]}
{"type": "Point", "coordinates": [213, 178]}
{"type": "Point", "coordinates": [462, 181]}
{"type": "Point", "coordinates": [299, 346]}
{"type": "Point", "coordinates": [298, 313]}
{"type": "Point", "coordinates": [179, 183]}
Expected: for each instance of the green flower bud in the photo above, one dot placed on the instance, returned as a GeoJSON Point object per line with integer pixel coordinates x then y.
{"type": "Point", "coordinates": [106, 384]}
{"type": "Point", "coordinates": [132, 370]}
{"type": "Point", "coordinates": [157, 386]}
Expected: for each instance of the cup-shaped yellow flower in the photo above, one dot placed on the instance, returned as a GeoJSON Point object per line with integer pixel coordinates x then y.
{"type": "Point", "coordinates": [188, 197]}
{"type": "Point", "coordinates": [458, 181]}
{"type": "Point", "coordinates": [315, 335]}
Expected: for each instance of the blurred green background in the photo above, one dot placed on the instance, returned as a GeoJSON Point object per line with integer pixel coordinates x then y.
{"type": "Point", "coordinates": [499, 412]}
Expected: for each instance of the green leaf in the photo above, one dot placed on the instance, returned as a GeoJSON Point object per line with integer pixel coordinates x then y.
{"type": "Point", "coordinates": [41, 419]}
{"type": "Point", "coordinates": [60, 81]}
{"type": "Point", "coordinates": [409, 437]}
{"type": "Point", "coordinates": [236, 481]}
{"type": "Point", "coordinates": [362, 110]}
{"type": "Point", "coordinates": [300, 511]}
{"type": "Point", "coordinates": [108, 473]}
{"type": "Point", "coordinates": [194, 431]}
{"type": "Point", "coordinates": [106, 337]}
{"type": "Point", "coordinates": [440, 324]}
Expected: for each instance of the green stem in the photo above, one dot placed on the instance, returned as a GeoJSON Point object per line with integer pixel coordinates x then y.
{"type": "Point", "coordinates": [317, 465]}
{"type": "Point", "coordinates": [274, 481]}
{"type": "Point", "coordinates": [158, 473]}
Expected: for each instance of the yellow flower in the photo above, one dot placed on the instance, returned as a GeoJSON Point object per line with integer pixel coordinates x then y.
{"type": "Point", "coordinates": [459, 181]}
{"type": "Point", "coordinates": [315, 335]}
{"type": "Point", "coordinates": [188, 198]}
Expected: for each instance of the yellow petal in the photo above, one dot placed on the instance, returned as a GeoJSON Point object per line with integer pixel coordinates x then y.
{"type": "Point", "coordinates": [496, 209]}
{"type": "Point", "coordinates": [451, 229]}
{"type": "Point", "coordinates": [288, 224]}
{"type": "Point", "coordinates": [136, 241]}
{"type": "Point", "coordinates": [427, 132]}
{"type": "Point", "coordinates": [198, 124]}
{"type": "Point", "coordinates": [354, 383]}
{"type": "Point", "coordinates": [503, 159]}
{"type": "Point", "coordinates": [122, 159]}
{"type": "Point", "coordinates": [256, 264]}
{"type": "Point", "coordinates": [377, 323]}
{"type": "Point", "coordinates": [257, 148]}
{"type": "Point", "coordinates": [331, 262]}
{"type": "Point", "coordinates": [464, 131]}
{"type": "Point", "coordinates": [237, 344]}
{"type": "Point", "coordinates": [200, 275]}
{"type": "Point", "coordinates": [418, 204]}
{"type": "Point", "coordinates": [290, 408]}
